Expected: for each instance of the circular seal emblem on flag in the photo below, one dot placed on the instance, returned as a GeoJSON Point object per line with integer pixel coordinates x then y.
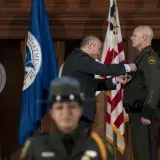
{"type": "Point", "coordinates": [33, 60]}
{"type": "Point", "coordinates": [2, 77]}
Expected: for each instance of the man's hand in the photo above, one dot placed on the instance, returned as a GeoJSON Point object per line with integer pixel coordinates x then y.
{"type": "Point", "coordinates": [133, 67]}
{"type": "Point", "coordinates": [123, 79]}
{"type": "Point", "coordinates": [145, 121]}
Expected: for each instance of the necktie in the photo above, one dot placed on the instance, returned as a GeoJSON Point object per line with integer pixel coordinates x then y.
{"type": "Point", "coordinates": [68, 143]}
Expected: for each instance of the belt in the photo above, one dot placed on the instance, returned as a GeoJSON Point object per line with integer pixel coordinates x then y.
{"type": "Point", "coordinates": [134, 107]}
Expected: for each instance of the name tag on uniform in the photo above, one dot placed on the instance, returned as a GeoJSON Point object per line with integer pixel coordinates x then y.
{"type": "Point", "coordinates": [91, 153]}
{"type": "Point", "coordinates": [47, 154]}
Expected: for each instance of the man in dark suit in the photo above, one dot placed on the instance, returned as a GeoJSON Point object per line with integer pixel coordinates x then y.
{"type": "Point", "coordinates": [142, 95]}
{"type": "Point", "coordinates": [81, 65]}
{"type": "Point", "coordinates": [70, 140]}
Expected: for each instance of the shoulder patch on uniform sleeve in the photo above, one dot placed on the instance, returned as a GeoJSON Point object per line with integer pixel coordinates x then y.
{"type": "Point", "coordinates": [25, 149]}
{"type": "Point", "coordinates": [152, 59]}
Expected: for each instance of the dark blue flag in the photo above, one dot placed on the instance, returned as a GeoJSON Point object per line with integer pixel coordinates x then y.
{"type": "Point", "coordinates": [40, 69]}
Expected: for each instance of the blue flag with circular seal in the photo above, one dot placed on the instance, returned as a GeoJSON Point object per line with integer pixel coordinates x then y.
{"type": "Point", "coordinates": [40, 69]}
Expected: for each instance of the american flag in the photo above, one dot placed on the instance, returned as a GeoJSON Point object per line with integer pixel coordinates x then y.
{"type": "Point", "coordinates": [113, 53]}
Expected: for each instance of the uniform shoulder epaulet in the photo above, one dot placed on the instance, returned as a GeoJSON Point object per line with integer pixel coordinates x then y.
{"type": "Point", "coordinates": [25, 149]}
{"type": "Point", "coordinates": [100, 144]}
{"type": "Point", "coordinates": [150, 53]}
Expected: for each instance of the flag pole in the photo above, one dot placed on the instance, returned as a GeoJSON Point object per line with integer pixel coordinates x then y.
{"type": "Point", "coordinates": [115, 145]}
{"type": "Point", "coordinates": [114, 134]}
{"type": "Point", "coordinates": [23, 44]}
{"type": "Point", "coordinates": [113, 46]}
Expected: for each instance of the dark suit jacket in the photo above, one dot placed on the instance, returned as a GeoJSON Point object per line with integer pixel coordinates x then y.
{"type": "Point", "coordinates": [82, 67]}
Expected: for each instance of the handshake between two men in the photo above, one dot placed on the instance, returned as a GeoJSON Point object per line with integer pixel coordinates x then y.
{"type": "Point", "coordinates": [126, 78]}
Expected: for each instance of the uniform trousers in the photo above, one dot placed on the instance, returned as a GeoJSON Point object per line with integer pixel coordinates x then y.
{"type": "Point", "coordinates": [144, 138]}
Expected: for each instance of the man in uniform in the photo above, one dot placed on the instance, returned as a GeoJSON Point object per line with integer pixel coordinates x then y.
{"type": "Point", "coordinates": [81, 65]}
{"type": "Point", "coordinates": [142, 95]}
{"type": "Point", "coordinates": [70, 140]}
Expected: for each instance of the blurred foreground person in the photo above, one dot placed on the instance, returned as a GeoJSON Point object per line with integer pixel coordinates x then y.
{"type": "Point", "coordinates": [70, 141]}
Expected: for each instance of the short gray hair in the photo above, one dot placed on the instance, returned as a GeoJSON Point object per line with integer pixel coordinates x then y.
{"type": "Point", "coordinates": [88, 39]}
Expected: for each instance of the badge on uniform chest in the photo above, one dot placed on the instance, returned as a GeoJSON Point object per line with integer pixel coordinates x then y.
{"type": "Point", "coordinates": [152, 59]}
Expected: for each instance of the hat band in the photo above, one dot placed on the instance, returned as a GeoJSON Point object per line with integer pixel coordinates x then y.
{"type": "Point", "coordinates": [71, 97]}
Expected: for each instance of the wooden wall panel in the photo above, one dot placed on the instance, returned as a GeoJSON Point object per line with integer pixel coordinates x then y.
{"type": "Point", "coordinates": [73, 19]}
{"type": "Point", "coordinates": [60, 52]}
{"type": "Point", "coordinates": [100, 118]}
{"type": "Point", "coordinates": [10, 97]}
